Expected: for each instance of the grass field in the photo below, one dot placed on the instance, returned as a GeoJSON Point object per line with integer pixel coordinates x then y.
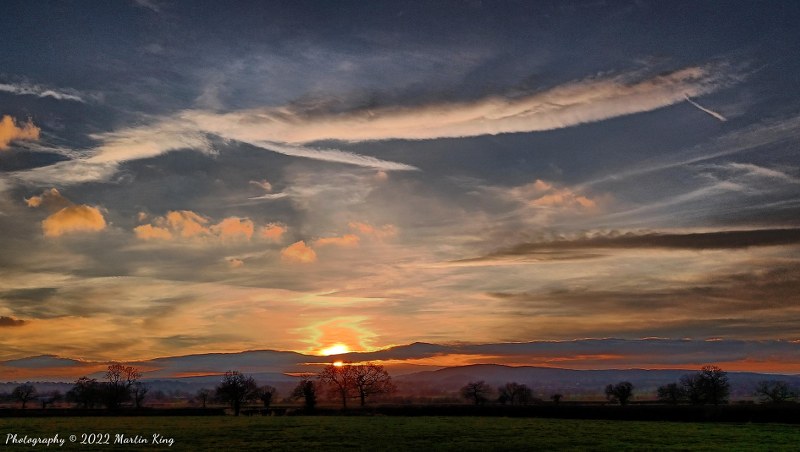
{"type": "Point", "coordinates": [401, 433]}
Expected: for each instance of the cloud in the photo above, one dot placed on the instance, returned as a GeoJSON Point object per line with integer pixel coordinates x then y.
{"type": "Point", "coordinates": [273, 232]}
{"type": "Point", "coordinates": [232, 228]}
{"type": "Point", "coordinates": [26, 89]}
{"type": "Point", "coordinates": [67, 217]}
{"type": "Point", "coordinates": [148, 141]}
{"type": "Point", "coordinates": [382, 232]}
{"type": "Point", "coordinates": [10, 321]}
{"type": "Point", "coordinates": [333, 155]}
{"type": "Point", "coordinates": [189, 225]}
{"type": "Point", "coordinates": [150, 232]}
{"type": "Point", "coordinates": [73, 219]}
{"type": "Point", "coordinates": [702, 108]}
{"type": "Point", "coordinates": [10, 131]}
{"type": "Point", "coordinates": [235, 263]}
{"type": "Point", "coordinates": [347, 240]}
{"type": "Point", "coordinates": [299, 252]}
{"type": "Point", "coordinates": [570, 104]}
{"type": "Point", "coordinates": [677, 241]}
{"type": "Point", "coordinates": [544, 194]}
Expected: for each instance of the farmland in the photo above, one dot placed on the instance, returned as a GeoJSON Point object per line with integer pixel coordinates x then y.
{"type": "Point", "coordinates": [392, 433]}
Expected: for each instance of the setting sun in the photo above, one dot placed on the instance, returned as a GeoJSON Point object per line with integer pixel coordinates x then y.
{"type": "Point", "coordinates": [336, 349]}
{"type": "Point", "coordinates": [338, 364]}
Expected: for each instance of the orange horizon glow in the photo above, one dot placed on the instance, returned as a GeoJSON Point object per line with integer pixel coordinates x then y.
{"type": "Point", "coordinates": [336, 349]}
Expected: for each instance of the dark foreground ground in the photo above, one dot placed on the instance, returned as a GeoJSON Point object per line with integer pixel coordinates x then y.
{"type": "Point", "coordinates": [299, 433]}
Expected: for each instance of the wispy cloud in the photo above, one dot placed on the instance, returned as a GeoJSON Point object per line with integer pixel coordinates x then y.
{"type": "Point", "coordinates": [570, 104]}
{"type": "Point", "coordinates": [702, 108]}
{"type": "Point", "coordinates": [26, 89]}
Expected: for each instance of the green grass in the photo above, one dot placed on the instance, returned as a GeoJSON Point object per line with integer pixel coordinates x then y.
{"type": "Point", "coordinates": [406, 433]}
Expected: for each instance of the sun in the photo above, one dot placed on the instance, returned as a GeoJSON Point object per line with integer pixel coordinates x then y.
{"type": "Point", "coordinates": [336, 349]}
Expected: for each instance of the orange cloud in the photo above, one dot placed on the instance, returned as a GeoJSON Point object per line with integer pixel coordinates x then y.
{"type": "Point", "coordinates": [233, 228]}
{"type": "Point", "coordinates": [544, 194]}
{"type": "Point", "coordinates": [187, 223]}
{"type": "Point", "coordinates": [150, 232]}
{"type": "Point", "coordinates": [299, 252]}
{"type": "Point", "coordinates": [385, 231]}
{"type": "Point", "coordinates": [273, 231]}
{"type": "Point", "coordinates": [50, 199]}
{"type": "Point", "coordinates": [347, 240]}
{"type": "Point", "coordinates": [235, 263]}
{"type": "Point", "coordinates": [9, 131]}
{"type": "Point", "coordinates": [74, 219]}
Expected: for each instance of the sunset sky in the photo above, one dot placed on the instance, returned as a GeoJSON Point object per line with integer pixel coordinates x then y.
{"type": "Point", "coordinates": [194, 177]}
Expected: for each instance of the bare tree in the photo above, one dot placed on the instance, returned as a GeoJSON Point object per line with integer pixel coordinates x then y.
{"type": "Point", "coordinates": [203, 395]}
{"type": "Point", "coordinates": [237, 389]}
{"type": "Point", "coordinates": [138, 391]}
{"type": "Point", "coordinates": [24, 393]}
{"type": "Point", "coordinates": [620, 392]}
{"type": "Point", "coordinates": [515, 394]}
{"type": "Point", "coordinates": [266, 394]}
{"type": "Point", "coordinates": [671, 393]}
{"type": "Point", "coordinates": [341, 380]}
{"type": "Point", "coordinates": [371, 379]}
{"type": "Point", "coordinates": [476, 391]}
{"type": "Point", "coordinates": [119, 380]}
{"type": "Point", "coordinates": [775, 391]}
{"type": "Point", "coordinates": [306, 390]}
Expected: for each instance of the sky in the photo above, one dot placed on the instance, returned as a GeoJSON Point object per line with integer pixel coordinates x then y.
{"type": "Point", "coordinates": [201, 177]}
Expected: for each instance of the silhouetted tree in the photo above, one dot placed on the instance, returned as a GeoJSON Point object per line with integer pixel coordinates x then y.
{"type": "Point", "coordinates": [476, 391]}
{"type": "Point", "coordinates": [775, 392]}
{"type": "Point", "coordinates": [671, 393]}
{"type": "Point", "coordinates": [236, 389]}
{"type": "Point", "coordinates": [51, 398]}
{"type": "Point", "coordinates": [306, 390]}
{"type": "Point", "coordinates": [710, 385]}
{"type": "Point", "coordinates": [371, 379]}
{"type": "Point", "coordinates": [341, 380]}
{"type": "Point", "coordinates": [556, 398]}
{"type": "Point", "coordinates": [119, 380]}
{"type": "Point", "coordinates": [515, 394]}
{"type": "Point", "coordinates": [620, 392]}
{"type": "Point", "coordinates": [24, 393]}
{"type": "Point", "coordinates": [138, 391]}
{"type": "Point", "coordinates": [86, 392]}
{"type": "Point", "coordinates": [266, 394]}
{"type": "Point", "coordinates": [203, 396]}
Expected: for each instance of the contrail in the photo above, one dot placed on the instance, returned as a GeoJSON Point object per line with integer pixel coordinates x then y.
{"type": "Point", "coordinates": [710, 112]}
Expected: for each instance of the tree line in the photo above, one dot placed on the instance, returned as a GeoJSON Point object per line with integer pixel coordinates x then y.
{"type": "Point", "coordinates": [708, 386]}
{"type": "Point", "coordinates": [345, 382]}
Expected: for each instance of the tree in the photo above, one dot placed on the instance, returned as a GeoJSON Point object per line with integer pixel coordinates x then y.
{"type": "Point", "coordinates": [266, 394]}
{"type": "Point", "coordinates": [138, 391]}
{"type": "Point", "coordinates": [236, 389]}
{"type": "Point", "coordinates": [85, 392]}
{"type": "Point", "coordinates": [671, 393]}
{"type": "Point", "coordinates": [710, 385]}
{"type": "Point", "coordinates": [341, 380]}
{"type": "Point", "coordinates": [203, 395]}
{"type": "Point", "coordinates": [775, 392]}
{"type": "Point", "coordinates": [24, 393]}
{"type": "Point", "coordinates": [476, 391]}
{"type": "Point", "coordinates": [620, 392]}
{"type": "Point", "coordinates": [556, 398]}
{"type": "Point", "coordinates": [515, 394]}
{"type": "Point", "coordinates": [306, 390]}
{"type": "Point", "coordinates": [119, 380]}
{"type": "Point", "coordinates": [51, 397]}
{"type": "Point", "coordinates": [371, 379]}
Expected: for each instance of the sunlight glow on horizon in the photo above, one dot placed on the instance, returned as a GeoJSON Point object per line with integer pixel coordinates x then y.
{"type": "Point", "coordinates": [336, 349]}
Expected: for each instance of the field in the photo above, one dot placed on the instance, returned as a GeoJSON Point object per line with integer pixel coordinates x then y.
{"type": "Point", "coordinates": [396, 433]}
